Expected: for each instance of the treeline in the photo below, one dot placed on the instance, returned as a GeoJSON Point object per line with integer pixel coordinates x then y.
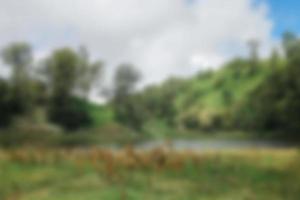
{"type": "Point", "coordinates": [59, 85]}
{"type": "Point", "coordinates": [252, 94]}
{"type": "Point", "coordinates": [275, 104]}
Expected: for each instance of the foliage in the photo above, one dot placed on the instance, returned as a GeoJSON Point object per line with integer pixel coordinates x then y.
{"type": "Point", "coordinates": [5, 104]}
{"type": "Point", "coordinates": [275, 103]}
{"type": "Point", "coordinates": [235, 97]}
{"type": "Point", "coordinates": [127, 108]}
{"type": "Point", "coordinates": [69, 73]}
{"type": "Point", "coordinates": [68, 113]}
{"type": "Point", "coordinates": [89, 74]}
{"type": "Point", "coordinates": [206, 101]}
{"type": "Point", "coordinates": [125, 80]}
{"type": "Point", "coordinates": [247, 93]}
{"type": "Point", "coordinates": [19, 57]}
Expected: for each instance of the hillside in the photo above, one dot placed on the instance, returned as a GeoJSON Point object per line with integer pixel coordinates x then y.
{"type": "Point", "coordinates": [208, 99]}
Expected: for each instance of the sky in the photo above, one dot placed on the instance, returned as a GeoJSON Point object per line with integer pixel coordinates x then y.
{"type": "Point", "coordinates": [161, 38]}
{"type": "Point", "coordinates": [285, 16]}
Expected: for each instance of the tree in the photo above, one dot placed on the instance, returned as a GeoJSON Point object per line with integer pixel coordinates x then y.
{"type": "Point", "coordinates": [253, 46]}
{"type": "Point", "coordinates": [19, 57]}
{"type": "Point", "coordinates": [274, 105]}
{"type": "Point", "coordinates": [5, 104]}
{"type": "Point", "coordinates": [126, 107]}
{"type": "Point", "coordinates": [65, 68]}
{"type": "Point", "coordinates": [125, 81]}
{"type": "Point", "coordinates": [89, 74]}
{"type": "Point", "coordinates": [274, 59]}
{"type": "Point", "coordinates": [288, 42]}
{"type": "Point", "coordinates": [62, 68]}
{"type": "Point", "coordinates": [166, 109]}
{"type": "Point", "coordinates": [227, 96]}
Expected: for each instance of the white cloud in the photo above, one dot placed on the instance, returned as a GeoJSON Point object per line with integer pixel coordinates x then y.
{"type": "Point", "coordinates": [161, 37]}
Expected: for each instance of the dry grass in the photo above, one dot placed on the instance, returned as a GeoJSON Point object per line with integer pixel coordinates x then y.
{"type": "Point", "coordinates": [156, 159]}
{"type": "Point", "coordinates": [160, 173]}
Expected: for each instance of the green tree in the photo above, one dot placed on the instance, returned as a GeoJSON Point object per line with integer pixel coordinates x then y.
{"type": "Point", "coordinates": [126, 107]}
{"type": "Point", "coordinates": [5, 104]}
{"type": "Point", "coordinates": [66, 74]}
{"type": "Point", "coordinates": [62, 68]}
{"type": "Point", "coordinates": [166, 108]}
{"type": "Point", "coordinates": [19, 57]}
{"type": "Point", "coordinates": [275, 104]}
{"type": "Point", "coordinates": [90, 74]}
{"type": "Point", "coordinates": [125, 81]}
{"type": "Point", "coordinates": [289, 41]}
{"type": "Point", "coordinates": [254, 58]}
{"type": "Point", "coordinates": [274, 60]}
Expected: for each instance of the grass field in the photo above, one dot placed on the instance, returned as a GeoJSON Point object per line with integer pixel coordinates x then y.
{"type": "Point", "coordinates": [93, 174]}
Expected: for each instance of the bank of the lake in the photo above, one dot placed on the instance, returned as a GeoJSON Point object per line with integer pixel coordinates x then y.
{"type": "Point", "coordinates": [93, 174]}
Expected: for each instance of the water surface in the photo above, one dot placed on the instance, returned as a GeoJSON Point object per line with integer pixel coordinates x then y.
{"type": "Point", "coordinates": [180, 144]}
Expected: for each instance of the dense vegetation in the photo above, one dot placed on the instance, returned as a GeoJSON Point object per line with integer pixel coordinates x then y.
{"type": "Point", "coordinates": [250, 94]}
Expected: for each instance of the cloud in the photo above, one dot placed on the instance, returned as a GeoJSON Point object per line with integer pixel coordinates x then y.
{"type": "Point", "coordinates": [160, 37]}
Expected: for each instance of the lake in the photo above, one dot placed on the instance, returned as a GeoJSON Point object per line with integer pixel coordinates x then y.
{"type": "Point", "coordinates": [181, 144]}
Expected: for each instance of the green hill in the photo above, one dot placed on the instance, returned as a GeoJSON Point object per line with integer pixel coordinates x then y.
{"type": "Point", "coordinates": [208, 99]}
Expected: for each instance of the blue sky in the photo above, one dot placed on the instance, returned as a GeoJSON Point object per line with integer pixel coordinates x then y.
{"type": "Point", "coordinates": [286, 16]}
{"type": "Point", "coordinates": [161, 38]}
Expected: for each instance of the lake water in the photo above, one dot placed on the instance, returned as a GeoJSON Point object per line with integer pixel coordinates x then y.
{"type": "Point", "coordinates": [214, 144]}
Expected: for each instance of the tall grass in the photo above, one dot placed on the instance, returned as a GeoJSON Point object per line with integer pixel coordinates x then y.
{"type": "Point", "coordinates": [162, 173]}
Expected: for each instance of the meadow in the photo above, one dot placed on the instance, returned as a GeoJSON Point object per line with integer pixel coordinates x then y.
{"type": "Point", "coordinates": [160, 173]}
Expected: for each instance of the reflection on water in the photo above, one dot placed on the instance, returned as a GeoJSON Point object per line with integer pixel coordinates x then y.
{"type": "Point", "coordinates": [213, 144]}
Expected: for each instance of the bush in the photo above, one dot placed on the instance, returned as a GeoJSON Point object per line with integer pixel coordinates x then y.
{"type": "Point", "coordinates": [191, 122]}
{"type": "Point", "coordinates": [5, 105]}
{"type": "Point", "coordinates": [70, 114]}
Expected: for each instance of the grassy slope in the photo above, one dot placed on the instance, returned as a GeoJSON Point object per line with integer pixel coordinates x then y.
{"type": "Point", "coordinates": [204, 94]}
{"type": "Point", "coordinates": [100, 114]}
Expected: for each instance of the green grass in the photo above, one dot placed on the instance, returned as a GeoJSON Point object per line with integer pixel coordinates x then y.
{"type": "Point", "coordinates": [100, 115]}
{"type": "Point", "coordinates": [233, 175]}
{"type": "Point", "coordinates": [204, 95]}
